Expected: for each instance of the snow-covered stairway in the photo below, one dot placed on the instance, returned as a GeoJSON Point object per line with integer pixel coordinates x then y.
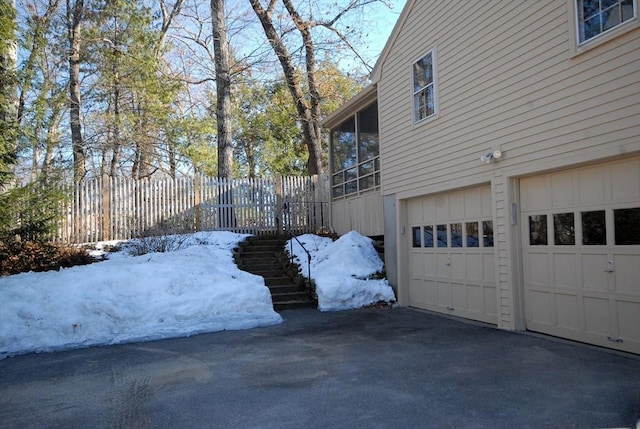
{"type": "Point", "coordinates": [265, 256]}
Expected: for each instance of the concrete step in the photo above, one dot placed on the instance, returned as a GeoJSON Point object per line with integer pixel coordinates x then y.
{"type": "Point", "coordinates": [281, 280]}
{"type": "Point", "coordinates": [285, 288]}
{"type": "Point", "coordinates": [301, 295]}
{"type": "Point", "coordinates": [290, 305]}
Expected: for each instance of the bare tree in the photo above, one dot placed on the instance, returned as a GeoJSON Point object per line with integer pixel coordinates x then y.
{"type": "Point", "coordinates": [74, 27]}
{"type": "Point", "coordinates": [306, 97]}
{"type": "Point", "coordinates": [8, 95]}
{"type": "Point", "coordinates": [223, 88]}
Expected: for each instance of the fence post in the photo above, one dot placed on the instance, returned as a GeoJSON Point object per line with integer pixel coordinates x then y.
{"type": "Point", "coordinates": [279, 212]}
{"type": "Point", "coordinates": [196, 200]}
{"type": "Point", "coordinates": [106, 207]}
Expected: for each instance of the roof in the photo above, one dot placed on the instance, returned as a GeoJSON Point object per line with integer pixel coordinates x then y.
{"type": "Point", "coordinates": [369, 93]}
{"type": "Point", "coordinates": [377, 69]}
{"type": "Point", "coordinates": [359, 101]}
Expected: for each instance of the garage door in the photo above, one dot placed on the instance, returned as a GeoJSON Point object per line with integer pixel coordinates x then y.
{"type": "Point", "coordinates": [581, 254]}
{"type": "Point", "coordinates": [451, 252]}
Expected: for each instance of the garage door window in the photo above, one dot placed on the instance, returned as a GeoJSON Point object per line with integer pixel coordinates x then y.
{"type": "Point", "coordinates": [538, 230]}
{"type": "Point", "coordinates": [415, 233]}
{"type": "Point", "coordinates": [627, 226]}
{"type": "Point", "coordinates": [456, 235]}
{"type": "Point", "coordinates": [428, 236]}
{"type": "Point", "coordinates": [487, 233]}
{"type": "Point", "coordinates": [564, 229]}
{"type": "Point", "coordinates": [441, 230]}
{"type": "Point", "coordinates": [472, 234]}
{"type": "Point", "coordinates": [594, 228]}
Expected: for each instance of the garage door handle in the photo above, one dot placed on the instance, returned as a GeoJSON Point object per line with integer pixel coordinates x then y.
{"type": "Point", "coordinates": [609, 267]}
{"type": "Point", "coordinates": [615, 340]}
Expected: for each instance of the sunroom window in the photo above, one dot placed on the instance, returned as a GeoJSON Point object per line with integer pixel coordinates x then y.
{"type": "Point", "coordinates": [599, 16]}
{"type": "Point", "coordinates": [424, 104]}
{"type": "Point", "coordinates": [355, 153]}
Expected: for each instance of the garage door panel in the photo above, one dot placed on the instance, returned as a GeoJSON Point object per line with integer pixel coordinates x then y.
{"type": "Point", "coordinates": [417, 296]}
{"type": "Point", "coordinates": [562, 189]}
{"type": "Point", "coordinates": [597, 316]}
{"type": "Point", "coordinates": [539, 306]}
{"type": "Point", "coordinates": [592, 185]}
{"type": "Point", "coordinates": [537, 269]}
{"type": "Point", "coordinates": [586, 287]}
{"type": "Point", "coordinates": [474, 268]}
{"type": "Point", "coordinates": [428, 209]}
{"type": "Point", "coordinates": [415, 262]}
{"type": "Point", "coordinates": [472, 204]}
{"type": "Point", "coordinates": [456, 205]}
{"type": "Point", "coordinates": [476, 299]}
{"type": "Point", "coordinates": [414, 213]}
{"type": "Point", "coordinates": [625, 181]}
{"type": "Point", "coordinates": [567, 310]}
{"type": "Point", "coordinates": [627, 274]}
{"type": "Point", "coordinates": [594, 275]}
{"type": "Point", "coordinates": [431, 292]}
{"type": "Point", "coordinates": [442, 207]}
{"type": "Point", "coordinates": [458, 273]}
{"type": "Point", "coordinates": [488, 272]}
{"type": "Point", "coordinates": [490, 301]}
{"type": "Point", "coordinates": [429, 264]}
{"type": "Point", "coordinates": [458, 266]}
{"type": "Point", "coordinates": [444, 294]}
{"type": "Point", "coordinates": [534, 193]}
{"type": "Point", "coordinates": [443, 267]}
{"type": "Point", "coordinates": [628, 321]}
{"type": "Point", "coordinates": [459, 296]}
{"type": "Point", "coordinates": [565, 272]}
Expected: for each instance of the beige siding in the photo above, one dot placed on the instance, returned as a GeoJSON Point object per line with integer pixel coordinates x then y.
{"type": "Point", "coordinates": [363, 213]}
{"type": "Point", "coordinates": [513, 86]}
{"type": "Point", "coordinates": [508, 77]}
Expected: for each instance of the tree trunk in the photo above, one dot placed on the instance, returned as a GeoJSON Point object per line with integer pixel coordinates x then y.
{"type": "Point", "coordinates": [223, 88]}
{"type": "Point", "coordinates": [308, 115]}
{"type": "Point", "coordinates": [74, 18]}
{"type": "Point", "coordinates": [8, 91]}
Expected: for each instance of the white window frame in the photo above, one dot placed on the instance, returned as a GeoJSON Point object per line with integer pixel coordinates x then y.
{"type": "Point", "coordinates": [577, 7]}
{"type": "Point", "coordinates": [433, 85]}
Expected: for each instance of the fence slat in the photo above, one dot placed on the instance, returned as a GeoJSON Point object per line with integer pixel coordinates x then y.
{"type": "Point", "coordinates": [119, 208]}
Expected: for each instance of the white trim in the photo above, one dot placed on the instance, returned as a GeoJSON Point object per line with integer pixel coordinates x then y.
{"type": "Point", "coordinates": [578, 47]}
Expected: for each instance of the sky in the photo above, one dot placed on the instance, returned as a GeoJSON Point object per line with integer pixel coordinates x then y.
{"type": "Point", "coordinates": [195, 289]}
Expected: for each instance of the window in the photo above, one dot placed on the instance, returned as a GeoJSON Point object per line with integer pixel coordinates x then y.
{"type": "Point", "coordinates": [538, 230]}
{"type": "Point", "coordinates": [594, 228]}
{"type": "Point", "coordinates": [355, 153]}
{"type": "Point", "coordinates": [441, 234]}
{"type": "Point", "coordinates": [599, 16]}
{"type": "Point", "coordinates": [472, 234]}
{"type": "Point", "coordinates": [627, 226]}
{"type": "Point", "coordinates": [415, 233]}
{"type": "Point", "coordinates": [424, 104]}
{"type": "Point", "coordinates": [563, 229]}
{"type": "Point", "coordinates": [428, 236]}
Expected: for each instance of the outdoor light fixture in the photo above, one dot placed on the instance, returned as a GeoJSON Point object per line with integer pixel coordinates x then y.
{"type": "Point", "coordinates": [491, 156]}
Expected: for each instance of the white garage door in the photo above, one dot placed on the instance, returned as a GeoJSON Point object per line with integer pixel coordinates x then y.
{"type": "Point", "coordinates": [581, 254]}
{"type": "Point", "coordinates": [451, 266]}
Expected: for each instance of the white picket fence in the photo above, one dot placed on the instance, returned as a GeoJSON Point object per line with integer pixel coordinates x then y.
{"type": "Point", "coordinates": [117, 208]}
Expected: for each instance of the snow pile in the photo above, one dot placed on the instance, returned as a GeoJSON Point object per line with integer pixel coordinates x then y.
{"type": "Point", "coordinates": [341, 270]}
{"type": "Point", "coordinates": [158, 295]}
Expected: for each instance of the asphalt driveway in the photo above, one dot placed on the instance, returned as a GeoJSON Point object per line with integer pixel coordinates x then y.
{"type": "Point", "coordinates": [374, 368]}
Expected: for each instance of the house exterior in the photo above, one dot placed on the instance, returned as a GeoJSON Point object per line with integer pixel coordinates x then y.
{"type": "Point", "coordinates": [509, 161]}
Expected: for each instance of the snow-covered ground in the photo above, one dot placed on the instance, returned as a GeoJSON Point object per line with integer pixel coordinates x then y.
{"type": "Point", "coordinates": [342, 270]}
{"type": "Point", "coordinates": [160, 295]}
